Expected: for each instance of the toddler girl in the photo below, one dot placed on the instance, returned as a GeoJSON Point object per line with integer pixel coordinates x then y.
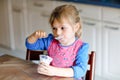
{"type": "Point", "coordinates": [68, 51]}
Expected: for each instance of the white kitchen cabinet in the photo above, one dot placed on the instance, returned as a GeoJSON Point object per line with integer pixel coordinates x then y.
{"type": "Point", "coordinates": [38, 15]}
{"type": "Point", "coordinates": [92, 35]}
{"type": "Point", "coordinates": [89, 11]}
{"type": "Point", "coordinates": [111, 15]}
{"type": "Point", "coordinates": [111, 51]}
{"type": "Point", "coordinates": [111, 44]}
{"type": "Point", "coordinates": [4, 27]}
{"type": "Point", "coordinates": [18, 22]}
{"type": "Point", "coordinates": [14, 25]}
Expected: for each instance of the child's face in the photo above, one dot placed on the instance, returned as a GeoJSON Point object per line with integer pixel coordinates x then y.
{"type": "Point", "coordinates": [65, 31]}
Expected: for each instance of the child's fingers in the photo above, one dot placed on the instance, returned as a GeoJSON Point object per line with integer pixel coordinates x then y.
{"type": "Point", "coordinates": [40, 34]}
{"type": "Point", "coordinates": [45, 35]}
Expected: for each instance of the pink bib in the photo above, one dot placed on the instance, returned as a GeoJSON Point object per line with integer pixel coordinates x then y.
{"type": "Point", "coordinates": [63, 56]}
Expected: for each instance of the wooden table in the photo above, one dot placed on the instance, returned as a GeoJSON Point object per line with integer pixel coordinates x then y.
{"type": "Point", "coordinates": [13, 68]}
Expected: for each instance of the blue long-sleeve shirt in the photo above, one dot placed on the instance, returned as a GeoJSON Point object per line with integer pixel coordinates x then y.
{"type": "Point", "coordinates": [81, 59]}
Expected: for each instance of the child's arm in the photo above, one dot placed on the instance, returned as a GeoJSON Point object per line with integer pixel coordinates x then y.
{"type": "Point", "coordinates": [81, 63]}
{"type": "Point", "coordinates": [55, 71]}
{"type": "Point", "coordinates": [39, 41]}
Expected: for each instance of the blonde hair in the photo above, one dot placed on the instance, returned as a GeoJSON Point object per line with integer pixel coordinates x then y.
{"type": "Point", "coordinates": [68, 12]}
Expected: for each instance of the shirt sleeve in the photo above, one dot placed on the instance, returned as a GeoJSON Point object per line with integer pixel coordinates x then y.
{"type": "Point", "coordinates": [80, 66]}
{"type": "Point", "coordinates": [40, 44]}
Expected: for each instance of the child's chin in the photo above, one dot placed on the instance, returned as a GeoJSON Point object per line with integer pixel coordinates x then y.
{"type": "Point", "coordinates": [62, 43]}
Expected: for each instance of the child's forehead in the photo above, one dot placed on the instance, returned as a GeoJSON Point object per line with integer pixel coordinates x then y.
{"type": "Point", "coordinates": [64, 23]}
{"type": "Point", "coordinates": [61, 21]}
{"type": "Point", "coordinates": [57, 24]}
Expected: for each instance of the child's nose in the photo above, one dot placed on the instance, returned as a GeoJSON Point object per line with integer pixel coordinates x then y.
{"type": "Point", "coordinates": [59, 32]}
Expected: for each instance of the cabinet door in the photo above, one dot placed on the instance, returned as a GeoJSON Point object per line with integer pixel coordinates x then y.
{"type": "Point", "coordinates": [111, 15]}
{"type": "Point", "coordinates": [18, 23]}
{"type": "Point", "coordinates": [92, 35]}
{"type": "Point", "coordinates": [4, 28]}
{"type": "Point", "coordinates": [91, 32]}
{"type": "Point", "coordinates": [38, 21]}
{"type": "Point", "coordinates": [89, 11]}
{"type": "Point", "coordinates": [111, 50]}
{"type": "Point", "coordinates": [38, 15]}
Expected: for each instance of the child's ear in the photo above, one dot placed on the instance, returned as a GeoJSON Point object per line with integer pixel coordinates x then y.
{"type": "Point", "coordinates": [77, 26]}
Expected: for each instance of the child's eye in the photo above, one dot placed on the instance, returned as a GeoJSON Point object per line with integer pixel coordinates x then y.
{"type": "Point", "coordinates": [62, 28]}
{"type": "Point", "coordinates": [53, 28]}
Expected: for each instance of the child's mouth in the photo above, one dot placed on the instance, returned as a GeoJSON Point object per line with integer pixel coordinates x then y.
{"type": "Point", "coordinates": [59, 37]}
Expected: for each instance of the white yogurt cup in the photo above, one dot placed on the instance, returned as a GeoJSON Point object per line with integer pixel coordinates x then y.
{"type": "Point", "coordinates": [46, 59]}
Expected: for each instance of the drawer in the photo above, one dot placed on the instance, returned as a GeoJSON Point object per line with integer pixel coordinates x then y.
{"type": "Point", "coordinates": [89, 11]}
{"type": "Point", "coordinates": [17, 5]}
{"type": "Point", "coordinates": [40, 5]}
{"type": "Point", "coordinates": [111, 26]}
{"type": "Point", "coordinates": [111, 15]}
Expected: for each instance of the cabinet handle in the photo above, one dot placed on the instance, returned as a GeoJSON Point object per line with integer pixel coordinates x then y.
{"type": "Point", "coordinates": [89, 23]}
{"type": "Point", "coordinates": [45, 15]}
{"type": "Point", "coordinates": [17, 10]}
{"type": "Point", "coordinates": [38, 5]}
{"type": "Point", "coordinates": [111, 27]}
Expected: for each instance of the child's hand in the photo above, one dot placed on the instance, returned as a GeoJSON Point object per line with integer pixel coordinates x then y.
{"type": "Point", "coordinates": [54, 71]}
{"type": "Point", "coordinates": [46, 69]}
{"type": "Point", "coordinates": [37, 34]}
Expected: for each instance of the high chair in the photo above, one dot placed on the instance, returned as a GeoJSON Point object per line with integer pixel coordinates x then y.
{"type": "Point", "coordinates": [91, 67]}
{"type": "Point", "coordinates": [34, 55]}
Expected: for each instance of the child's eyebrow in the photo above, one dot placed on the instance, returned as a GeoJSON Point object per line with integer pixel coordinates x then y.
{"type": "Point", "coordinates": [53, 26]}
